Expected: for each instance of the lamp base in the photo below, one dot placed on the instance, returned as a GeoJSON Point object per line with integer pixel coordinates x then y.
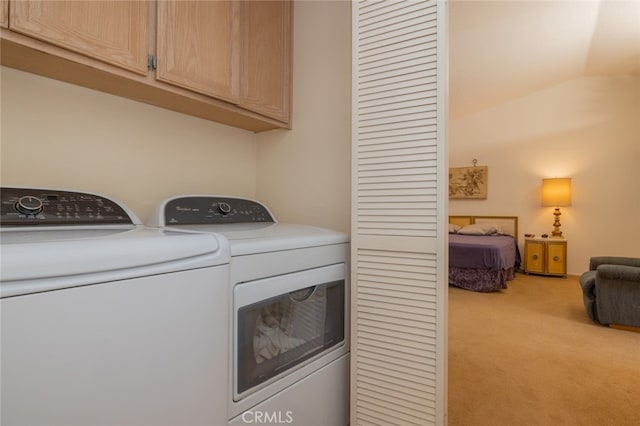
{"type": "Point", "coordinates": [556, 233]}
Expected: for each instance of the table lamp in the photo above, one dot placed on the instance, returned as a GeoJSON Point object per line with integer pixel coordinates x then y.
{"type": "Point", "coordinates": [556, 192]}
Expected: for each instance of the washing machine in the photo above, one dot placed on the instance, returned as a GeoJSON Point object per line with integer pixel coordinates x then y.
{"type": "Point", "coordinates": [288, 293]}
{"type": "Point", "coordinates": [105, 321]}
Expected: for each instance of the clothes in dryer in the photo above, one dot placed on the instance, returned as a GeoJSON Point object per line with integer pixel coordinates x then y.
{"type": "Point", "coordinates": [288, 289]}
{"type": "Point", "coordinates": [105, 321]}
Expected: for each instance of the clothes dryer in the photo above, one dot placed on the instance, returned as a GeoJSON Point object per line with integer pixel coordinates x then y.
{"type": "Point", "coordinates": [288, 293]}
{"type": "Point", "coordinates": [105, 321]}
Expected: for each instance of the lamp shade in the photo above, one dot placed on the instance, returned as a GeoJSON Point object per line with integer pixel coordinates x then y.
{"type": "Point", "coordinates": [556, 192]}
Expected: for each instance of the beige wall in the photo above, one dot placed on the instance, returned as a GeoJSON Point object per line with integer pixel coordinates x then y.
{"type": "Point", "coordinates": [304, 174]}
{"type": "Point", "coordinates": [587, 129]}
{"type": "Point", "coordinates": [63, 136]}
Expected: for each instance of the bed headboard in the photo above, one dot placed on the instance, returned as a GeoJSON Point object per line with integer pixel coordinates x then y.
{"type": "Point", "coordinates": [461, 220]}
{"type": "Point", "coordinates": [506, 224]}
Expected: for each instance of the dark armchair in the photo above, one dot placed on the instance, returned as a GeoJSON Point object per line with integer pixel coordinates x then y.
{"type": "Point", "coordinates": [611, 290]}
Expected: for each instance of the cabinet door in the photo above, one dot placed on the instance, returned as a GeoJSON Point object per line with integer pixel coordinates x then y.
{"type": "Point", "coordinates": [266, 58]}
{"type": "Point", "coordinates": [534, 257]}
{"type": "Point", "coordinates": [198, 46]}
{"type": "Point", "coordinates": [556, 258]}
{"type": "Point", "coordinates": [4, 13]}
{"type": "Point", "coordinates": [115, 32]}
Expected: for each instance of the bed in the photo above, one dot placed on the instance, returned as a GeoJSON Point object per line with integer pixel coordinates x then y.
{"type": "Point", "coordinates": [483, 252]}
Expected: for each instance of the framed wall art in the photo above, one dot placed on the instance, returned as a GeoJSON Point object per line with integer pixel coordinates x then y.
{"type": "Point", "coordinates": [468, 182]}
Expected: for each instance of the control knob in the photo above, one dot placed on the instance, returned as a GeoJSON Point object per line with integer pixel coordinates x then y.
{"type": "Point", "coordinates": [224, 208]}
{"type": "Point", "coordinates": [29, 205]}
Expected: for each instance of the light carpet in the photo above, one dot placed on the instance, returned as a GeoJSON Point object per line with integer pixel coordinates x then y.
{"type": "Point", "coordinates": [529, 355]}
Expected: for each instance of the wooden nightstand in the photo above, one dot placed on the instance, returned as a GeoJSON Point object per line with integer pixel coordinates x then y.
{"type": "Point", "coordinates": [545, 256]}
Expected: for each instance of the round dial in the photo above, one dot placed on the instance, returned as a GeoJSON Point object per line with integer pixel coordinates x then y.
{"type": "Point", "coordinates": [224, 208]}
{"type": "Point", "coordinates": [29, 205]}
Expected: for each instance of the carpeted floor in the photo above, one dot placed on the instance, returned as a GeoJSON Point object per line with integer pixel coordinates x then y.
{"type": "Point", "coordinates": [528, 355]}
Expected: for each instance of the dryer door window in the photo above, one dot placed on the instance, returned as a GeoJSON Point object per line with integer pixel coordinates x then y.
{"type": "Point", "coordinates": [281, 332]}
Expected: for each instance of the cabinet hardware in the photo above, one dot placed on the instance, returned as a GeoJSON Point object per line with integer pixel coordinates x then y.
{"type": "Point", "coordinates": [152, 62]}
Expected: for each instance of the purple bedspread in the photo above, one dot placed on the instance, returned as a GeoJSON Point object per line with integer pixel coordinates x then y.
{"type": "Point", "coordinates": [482, 262]}
{"type": "Point", "coordinates": [494, 252]}
{"type": "Point", "coordinates": [476, 279]}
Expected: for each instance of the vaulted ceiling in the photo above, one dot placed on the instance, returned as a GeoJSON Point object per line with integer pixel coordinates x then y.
{"type": "Point", "coordinates": [502, 50]}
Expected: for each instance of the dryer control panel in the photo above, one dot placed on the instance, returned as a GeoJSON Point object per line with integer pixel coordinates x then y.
{"type": "Point", "coordinates": [208, 210]}
{"type": "Point", "coordinates": [31, 207]}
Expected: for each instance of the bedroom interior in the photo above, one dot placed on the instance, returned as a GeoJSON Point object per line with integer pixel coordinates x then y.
{"type": "Point", "coordinates": [533, 105]}
{"type": "Point", "coordinates": [563, 102]}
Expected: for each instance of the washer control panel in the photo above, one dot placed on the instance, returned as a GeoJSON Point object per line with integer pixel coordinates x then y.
{"type": "Point", "coordinates": [207, 210]}
{"type": "Point", "coordinates": [30, 207]}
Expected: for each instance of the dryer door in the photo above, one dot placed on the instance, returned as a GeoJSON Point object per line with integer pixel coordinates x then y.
{"type": "Point", "coordinates": [284, 322]}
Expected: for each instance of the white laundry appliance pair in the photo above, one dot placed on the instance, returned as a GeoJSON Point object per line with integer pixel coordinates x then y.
{"type": "Point", "coordinates": [218, 315]}
{"type": "Point", "coordinates": [288, 338]}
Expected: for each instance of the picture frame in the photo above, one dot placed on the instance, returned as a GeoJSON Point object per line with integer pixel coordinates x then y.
{"type": "Point", "coordinates": [468, 182]}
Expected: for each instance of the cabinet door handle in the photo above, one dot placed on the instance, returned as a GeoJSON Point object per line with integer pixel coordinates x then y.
{"type": "Point", "coordinates": [556, 258]}
{"type": "Point", "coordinates": [534, 257]}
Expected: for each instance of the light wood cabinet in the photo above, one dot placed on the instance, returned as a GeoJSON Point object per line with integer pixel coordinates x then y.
{"type": "Point", "coordinates": [238, 51]}
{"type": "Point", "coordinates": [115, 32]}
{"type": "Point", "coordinates": [198, 46]}
{"type": "Point", "coordinates": [545, 256]}
{"type": "Point", "coordinates": [266, 58]}
{"type": "Point", "coordinates": [225, 61]}
{"type": "Point", "coordinates": [4, 13]}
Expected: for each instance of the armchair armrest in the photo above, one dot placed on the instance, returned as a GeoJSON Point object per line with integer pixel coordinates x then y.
{"type": "Point", "coordinates": [612, 260]}
{"type": "Point", "coordinates": [608, 272]}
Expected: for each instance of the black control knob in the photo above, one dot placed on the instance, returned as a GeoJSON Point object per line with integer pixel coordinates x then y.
{"type": "Point", "coordinates": [224, 208]}
{"type": "Point", "coordinates": [29, 205]}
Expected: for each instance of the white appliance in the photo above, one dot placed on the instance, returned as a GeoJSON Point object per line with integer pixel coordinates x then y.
{"type": "Point", "coordinates": [289, 341]}
{"type": "Point", "coordinates": [105, 321]}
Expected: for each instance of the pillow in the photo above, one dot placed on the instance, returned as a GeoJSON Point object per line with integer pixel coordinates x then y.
{"type": "Point", "coordinates": [454, 228]}
{"type": "Point", "coordinates": [479, 229]}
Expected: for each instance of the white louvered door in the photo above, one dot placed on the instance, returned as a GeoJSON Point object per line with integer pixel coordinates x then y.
{"type": "Point", "coordinates": [399, 210]}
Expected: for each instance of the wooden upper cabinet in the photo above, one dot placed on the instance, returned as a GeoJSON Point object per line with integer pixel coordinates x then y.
{"type": "Point", "coordinates": [237, 51]}
{"type": "Point", "coordinates": [115, 32]}
{"type": "Point", "coordinates": [265, 77]}
{"type": "Point", "coordinates": [226, 61]}
{"type": "Point", "coordinates": [198, 46]}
